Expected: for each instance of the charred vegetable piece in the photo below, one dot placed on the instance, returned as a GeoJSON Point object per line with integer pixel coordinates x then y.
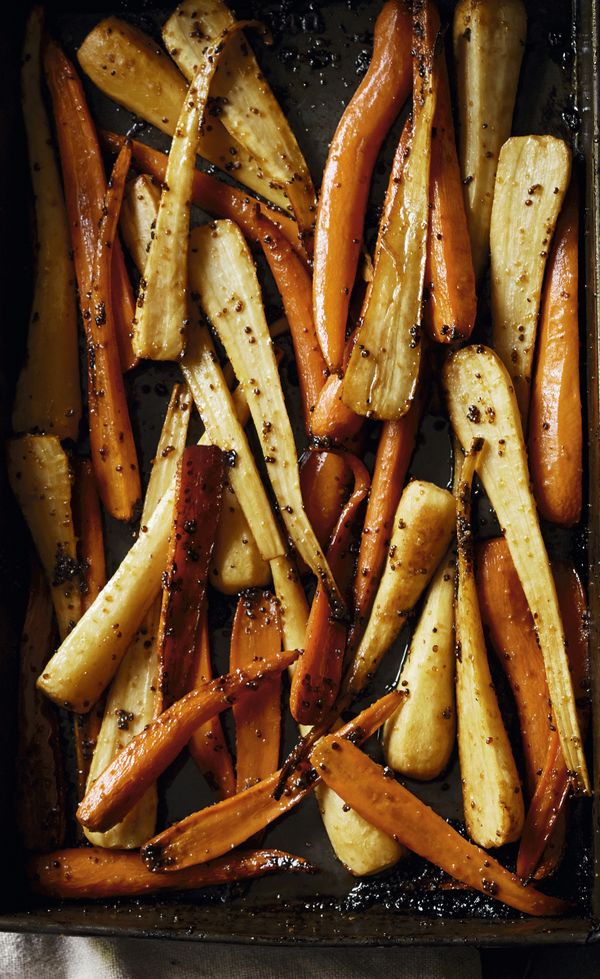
{"type": "Point", "coordinates": [47, 398]}
{"type": "Point", "coordinates": [40, 801]}
{"type": "Point", "coordinates": [531, 182]}
{"type": "Point", "coordinates": [318, 675]}
{"type": "Point", "coordinates": [418, 741]}
{"type": "Point", "coordinates": [40, 478]}
{"type": "Point", "coordinates": [492, 796]}
{"type": "Point", "coordinates": [348, 171]}
{"type": "Point", "coordinates": [256, 631]}
{"type": "Point", "coordinates": [197, 511]}
{"type": "Point", "coordinates": [152, 751]}
{"type": "Point", "coordinates": [94, 873]}
{"type": "Point", "coordinates": [482, 404]}
{"type": "Point", "coordinates": [248, 109]}
{"type": "Point", "coordinates": [555, 424]}
{"type": "Point", "coordinates": [220, 828]}
{"type": "Point", "coordinates": [489, 41]}
{"type": "Point", "coordinates": [367, 788]}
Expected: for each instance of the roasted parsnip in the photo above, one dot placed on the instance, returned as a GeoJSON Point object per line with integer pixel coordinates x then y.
{"type": "Point", "coordinates": [423, 526]}
{"type": "Point", "coordinates": [383, 370]}
{"type": "Point", "coordinates": [236, 563]}
{"type": "Point", "coordinates": [489, 41]}
{"type": "Point", "coordinates": [492, 797]}
{"type": "Point", "coordinates": [40, 478]}
{"type": "Point", "coordinates": [531, 182]}
{"type": "Point", "coordinates": [142, 79]}
{"type": "Point", "coordinates": [418, 740]}
{"type": "Point", "coordinates": [248, 109]}
{"type": "Point", "coordinates": [48, 398]}
{"type": "Point", "coordinates": [482, 404]}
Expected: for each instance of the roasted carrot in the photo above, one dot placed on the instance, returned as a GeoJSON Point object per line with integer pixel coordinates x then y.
{"type": "Point", "coordinates": [555, 426]}
{"type": "Point", "coordinates": [197, 510]}
{"type": "Point", "coordinates": [149, 754]}
{"type": "Point", "coordinates": [256, 631]}
{"type": "Point", "coordinates": [548, 803]}
{"type": "Point", "coordinates": [85, 187]}
{"type": "Point", "coordinates": [370, 791]}
{"type": "Point", "coordinates": [449, 276]}
{"type": "Point", "coordinates": [317, 677]}
{"type": "Point", "coordinates": [326, 480]}
{"type": "Point", "coordinates": [394, 451]}
{"type": "Point", "coordinates": [96, 873]}
{"type": "Point", "coordinates": [219, 828]}
{"type": "Point", "coordinates": [87, 520]}
{"type": "Point", "coordinates": [40, 801]}
{"type": "Point", "coordinates": [348, 171]}
{"type": "Point", "coordinates": [207, 745]}
{"type": "Point", "coordinates": [331, 419]}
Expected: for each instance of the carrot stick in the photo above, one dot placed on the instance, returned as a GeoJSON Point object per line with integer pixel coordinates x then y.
{"type": "Point", "coordinates": [213, 831]}
{"type": "Point", "coordinates": [147, 755]}
{"type": "Point", "coordinates": [348, 171]}
{"type": "Point", "coordinates": [87, 520]}
{"type": "Point", "coordinates": [40, 799]}
{"type": "Point", "coordinates": [394, 451]}
{"type": "Point", "coordinates": [552, 789]}
{"type": "Point", "coordinates": [256, 629]}
{"type": "Point", "coordinates": [325, 478]}
{"type": "Point", "coordinates": [197, 510]}
{"type": "Point", "coordinates": [97, 873]}
{"type": "Point", "coordinates": [207, 745]}
{"type": "Point", "coordinates": [317, 677]}
{"type": "Point", "coordinates": [373, 794]}
{"type": "Point", "coordinates": [449, 276]}
{"type": "Point", "coordinates": [332, 419]}
{"type": "Point", "coordinates": [85, 187]}
{"type": "Point", "coordinates": [555, 426]}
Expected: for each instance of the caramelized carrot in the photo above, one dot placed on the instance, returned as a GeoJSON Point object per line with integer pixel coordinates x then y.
{"type": "Point", "coordinates": [548, 803]}
{"type": "Point", "coordinates": [449, 276]}
{"type": "Point", "coordinates": [256, 630]}
{"type": "Point", "coordinates": [394, 451]}
{"type": "Point", "coordinates": [213, 831]}
{"type": "Point", "coordinates": [147, 755]}
{"type": "Point", "coordinates": [506, 616]}
{"type": "Point", "coordinates": [197, 510]}
{"type": "Point", "coordinates": [348, 171]}
{"type": "Point", "coordinates": [85, 187]}
{"type": "Point", "coordinates": [325, 478]}
{"type": "Point", "coordinates": [40, 799]}
{"type": "Point", "coordinates": [332, 419]}
{"type": "Point", "coordinates": [555, 427]}
{"type": "Point", "coordinates": [207, 745]}
{"type": "Point", "coordinates": [369, 790]}
{"type": "Point", "coordinates": [87, 520]}
{"type": "Point", "coordinates": [317, 677]}
{"type": "Point", "coordinates": [98, 873]}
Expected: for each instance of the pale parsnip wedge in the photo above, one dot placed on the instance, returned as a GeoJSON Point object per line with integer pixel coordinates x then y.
{"type": "Point", "coordinates": [48, 397]}
{"type": "Point", "coordinates": [40, 478]}
{"type": "Point", "coordinates": [492, 795]}
{"type": "Point", "coordinates": [132, 701]}
{"type": "Point", "coordinates": [482, 404]}
{"type": "Point", "coordinates": [236, 562]}
{"type": "Point", "coordinates": [423, 526]}
{"type": "Point", "coordinates": [294, 607]}
{"type": "Point", "coordinates": [130, 68]}
{"type": "Point", "coordinates": [489, 41]}
{"type": "Point", "coordinates": [531, 182]}
{"type": "Point", "coordinates": [383, 370]}
{"type": "Point", "coordinates": [248, 108]}
{"type": "Point", "coordinates": [230, 295]}
{"type": "Point", "coordinates": [418, 739]}
{"type": "Point", "coordinates": [138, 217]}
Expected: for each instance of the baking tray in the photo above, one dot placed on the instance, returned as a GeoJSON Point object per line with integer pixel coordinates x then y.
{"type": "Point", "coordinates": [320, 49]}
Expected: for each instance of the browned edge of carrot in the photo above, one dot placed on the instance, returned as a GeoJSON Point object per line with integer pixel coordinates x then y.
{"type": "Point", "coordinates": [374, 794]}
{"type": "Point", "coordinates": [147, 755]}
{"type": "Point", "coordinates": [200, 478]}
{"type": "Point", "coordinates": [555, 419]}
{"type": "Point", "coordinates": [256, 630]}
